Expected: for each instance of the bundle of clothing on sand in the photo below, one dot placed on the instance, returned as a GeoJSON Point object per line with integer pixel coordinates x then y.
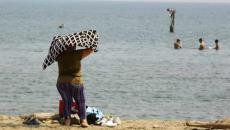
{"type": "Point", "coordinates": [93, 114]}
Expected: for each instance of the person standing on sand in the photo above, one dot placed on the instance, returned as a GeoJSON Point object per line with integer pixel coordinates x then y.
{"type": "Point", "coordinates": [70, 83]}
{"type": "Point", "coordinates": [177, 44]}
{"type": "Point", "coordinates": [202, 44]}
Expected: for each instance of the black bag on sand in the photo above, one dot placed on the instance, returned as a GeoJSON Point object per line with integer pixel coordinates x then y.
{"type": "Point", "coordinates": [91, 118]}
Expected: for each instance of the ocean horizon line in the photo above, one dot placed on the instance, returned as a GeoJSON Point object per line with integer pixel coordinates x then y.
{"type": "Point", "coordinates": [129, 1]}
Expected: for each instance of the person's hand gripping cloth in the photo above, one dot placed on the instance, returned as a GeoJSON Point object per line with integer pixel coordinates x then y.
{"type": "Point", "coordinates": [83, 39]}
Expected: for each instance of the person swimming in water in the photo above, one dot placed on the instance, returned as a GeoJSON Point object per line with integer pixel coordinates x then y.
{"type": "Point", "coordinates": [216, 44]}
{"type": "Point", "coordinates": [177, 44]}
{"type": "Point", "coordinates": [202, 44]}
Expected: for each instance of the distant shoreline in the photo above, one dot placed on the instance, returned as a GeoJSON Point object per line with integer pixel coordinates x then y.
{"type": "Point", "coordinates": [128, 1]}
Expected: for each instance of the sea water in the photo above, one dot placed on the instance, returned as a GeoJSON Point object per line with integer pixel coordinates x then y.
{"type": "Point", "coordinates": [136, 74]}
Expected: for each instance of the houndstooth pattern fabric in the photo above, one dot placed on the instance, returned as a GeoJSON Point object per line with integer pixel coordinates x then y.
{"type": "Point", "coordinates": [85, 39]}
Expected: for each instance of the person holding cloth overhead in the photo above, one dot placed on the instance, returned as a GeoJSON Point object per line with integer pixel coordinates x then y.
{"type": "Point", "coordinates": [67, 51]}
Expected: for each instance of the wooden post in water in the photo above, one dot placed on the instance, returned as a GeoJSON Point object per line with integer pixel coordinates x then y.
{"type": "Point", "coordinates": [172, 16]}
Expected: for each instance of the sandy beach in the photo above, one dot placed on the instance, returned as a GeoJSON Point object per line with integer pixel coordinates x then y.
{"type": "Point", "coordinates": [137, 74]}
{"type": "Point", "coordinates": [16, 122]}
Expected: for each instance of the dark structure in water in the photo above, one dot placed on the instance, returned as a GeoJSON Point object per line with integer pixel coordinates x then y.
{"type": "Point", "coordinates": [172, 16]}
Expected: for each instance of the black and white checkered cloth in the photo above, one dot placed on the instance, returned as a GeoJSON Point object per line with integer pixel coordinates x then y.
{"type": "Point", "coordinates": [85, 39]}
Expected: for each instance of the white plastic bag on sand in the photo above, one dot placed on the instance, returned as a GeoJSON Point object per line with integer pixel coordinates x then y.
{"type": "Point", "coordinates": [110, 121]}
{"type": "Point", "coordinates": [117, 120]}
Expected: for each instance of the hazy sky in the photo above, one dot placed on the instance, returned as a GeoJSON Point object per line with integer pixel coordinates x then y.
{"type": "Point", "coordinates": [216, 1]}
{"type": "Point", "coordinates": [211, 1]}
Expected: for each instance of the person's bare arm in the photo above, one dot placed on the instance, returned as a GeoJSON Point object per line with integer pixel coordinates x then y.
{"type": "Point", "coordinates": [86, 52]}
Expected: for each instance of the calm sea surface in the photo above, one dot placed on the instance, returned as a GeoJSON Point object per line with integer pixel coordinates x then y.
{"type": "Point", "coordinates": [136, 74]}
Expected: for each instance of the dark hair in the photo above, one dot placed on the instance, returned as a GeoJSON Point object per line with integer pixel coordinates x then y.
{"type": "Point", "coordinates": [216, 41]}
{"type": "Point", "coordinates": [177, 40]}
{"type": "Point", "coordinates": [200, 40]}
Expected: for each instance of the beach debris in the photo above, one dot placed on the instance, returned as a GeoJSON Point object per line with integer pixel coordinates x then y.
{"type": "Point", "coordinates": [32, 121]}
{"type": "Point", "coordinates": [155, 126]}
{"type": "Point", "coordinates": [96, 117]}
{"type": "Point", "coordinates": [75, 119]}
{"type": "Point", "coordinates": [93, 114]}
{"type": "Point", "coordinates": [117, 120]}
{"type": "Point", "coordinates": [109, 121]}
{"type": "Point", "coordinates": [42, 116]}
{"type": "Point", "coordinates": [219, 124]}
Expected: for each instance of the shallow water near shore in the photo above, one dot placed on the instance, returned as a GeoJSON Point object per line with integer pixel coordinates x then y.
{"type": "Point", "coordinates": [136, 74]}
